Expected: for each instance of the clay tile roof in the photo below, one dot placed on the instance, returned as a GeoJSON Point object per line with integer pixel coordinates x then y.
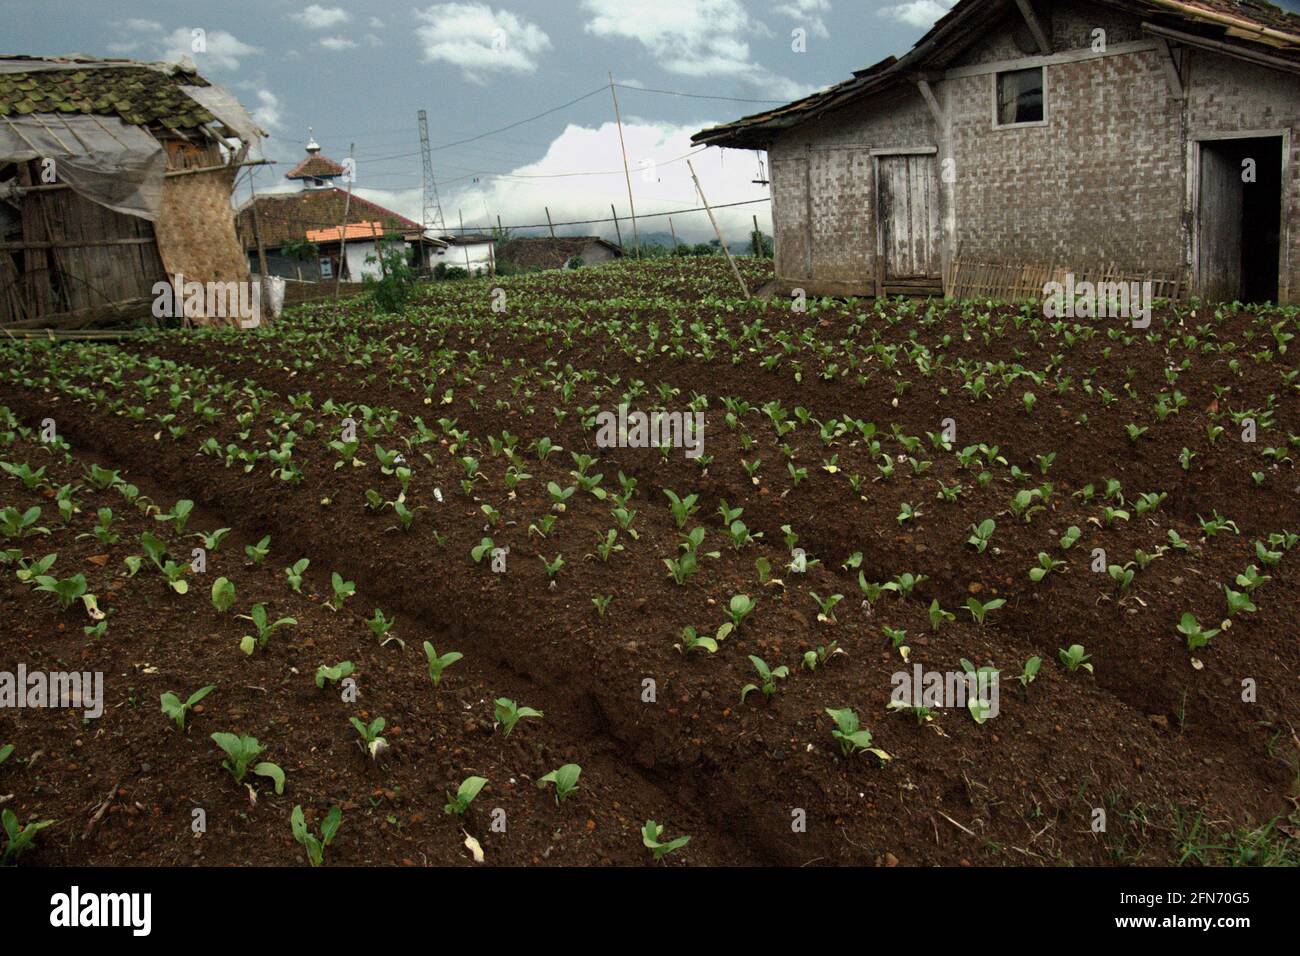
{"type": "Point", "coordinates": [543, 252]}
{"type": "Point", "coordinates": [286, 217]}
{"type": "Point", "coordinates": [315, 167]}
{"type": "Point", "coordinates": [138, 94]}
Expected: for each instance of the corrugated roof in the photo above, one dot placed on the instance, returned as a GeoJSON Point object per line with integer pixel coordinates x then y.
{"type": "Point", "coordinates": [1249, 24]}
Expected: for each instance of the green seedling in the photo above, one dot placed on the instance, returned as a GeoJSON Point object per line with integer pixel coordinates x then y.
{"type": "Point", "coordinates": [508, 714]}
{"type": "Point", "coordinates": [265, 628]}
{"type": "Point", "coordinates": [981, 534]}
{"type": "Point", "coordinates": [465, 794]}
{"type": "Point", "coordinates": [651, 835]}
{"type": "Point", "coordinates": [342, 591]}
{"type": "Point", "coordinates": [439, 663]}
{"type": "Point", "coordinates": [18, 840]}
{"type": "Point", "coordinates": [294, 574]}
{"type": "Point", "coordinates": [315, 846]}
{"type": "Point", "coordinates": [1190, 628]}
{"type": "Point", "coordinates": [256, 553]}
{"type": "Point", "coordinates": [1030, 671]}
{"type": "Point", "coordinates": [1073, 658]}
{"type": "Point", "coordinates": [565, 779]}
{"type": "Point", "coordinates": [173, 708]}
{"type": "Point", "coordinates": [240, 751]}
{"type": "Point", "coordinates": [739, 607]}
{"type": "Point", "coordinates": [333, 674]}
{"type": "Point", "coordinates": [769, 676]}
{"type": "Point", "coordinates": [979, 611]}
{"type": "Point", "coordinates": [223, 595]}
{"type": "Point", "coordinates": [826, 607]}
{"type": "Point", "coordinates": [851, 736]}
{"type": "Point", "coordinates": [371, 741]}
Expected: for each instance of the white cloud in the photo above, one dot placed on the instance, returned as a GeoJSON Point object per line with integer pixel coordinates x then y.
{"type": "Point", "coordinates": [376, 23]}
{"type": "Point", "coordinates": [479, 39]}
{"type": "Point", "coordinates": [695, 38]}
{"type": "Point", "coordinates": [337, 43]}
{"type": "Point", "coordinates": [136, 25]}
{"type": "Point", "coordinates": [807, 12]}
{"type": "Point", "coordinates": [267, 112]}
{"type": "Point", "coordinates": [918, 13]}
{"type": "Point", "coordinates": [217, 50]}
{"type": "Point", "coordinates": [657, 185]}
{"type": "Point", "coordinates": [316, 17]}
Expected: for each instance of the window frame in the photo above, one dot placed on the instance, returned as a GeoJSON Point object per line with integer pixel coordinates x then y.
{"type": "Point", "coordinates": [994, 92]}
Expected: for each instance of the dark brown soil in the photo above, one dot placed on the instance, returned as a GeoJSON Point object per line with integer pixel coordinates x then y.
{"type": "Point", "coordinates": [1158, 737]}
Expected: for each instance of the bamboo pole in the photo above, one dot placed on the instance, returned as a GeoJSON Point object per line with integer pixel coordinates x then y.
{"type": "Point", "coordinates": [617, 231]}
{"type": "Point", "coordinates": [343, 231]}
{"type": "Point", "coordinates": [548, 220]}
{"type": "Point", "coordinates": [636, 235]}
{"type": "Point", "coordinates": [718, 232]}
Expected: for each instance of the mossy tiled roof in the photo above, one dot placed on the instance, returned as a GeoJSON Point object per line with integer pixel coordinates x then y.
{"type": "Point", "coordinates": [139, 95]}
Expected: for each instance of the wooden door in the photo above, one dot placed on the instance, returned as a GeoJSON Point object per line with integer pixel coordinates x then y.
{"type": "Point", "coordinates": [908, 217]}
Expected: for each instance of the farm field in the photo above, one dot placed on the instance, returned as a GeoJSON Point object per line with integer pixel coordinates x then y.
{"type": "Point", "coordinates": [1105, 516]}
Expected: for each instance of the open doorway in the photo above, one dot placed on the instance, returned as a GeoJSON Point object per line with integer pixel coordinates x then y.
{"type": "Point", "coordinates": [1239, 218]}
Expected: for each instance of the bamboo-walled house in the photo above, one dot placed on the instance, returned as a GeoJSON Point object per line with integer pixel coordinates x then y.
{"type": "Point", "coordinates": [115, 175]}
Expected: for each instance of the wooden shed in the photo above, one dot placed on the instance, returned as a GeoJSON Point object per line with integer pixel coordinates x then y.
{"type": "Point", "coordinates": [115, 175]}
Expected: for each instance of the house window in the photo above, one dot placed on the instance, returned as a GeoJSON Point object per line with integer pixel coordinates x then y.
{"type": "Point", "coordinates": [326, 269]}
{"type": "Point", "coordinates": [1019, 97]}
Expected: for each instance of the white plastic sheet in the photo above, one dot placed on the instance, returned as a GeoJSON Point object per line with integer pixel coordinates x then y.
{"type": "Point", "coordinates": [101, 158]}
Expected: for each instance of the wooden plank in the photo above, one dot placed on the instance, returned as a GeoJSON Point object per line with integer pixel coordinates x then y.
{"type": "Point", "coordinates": [1035, 27]}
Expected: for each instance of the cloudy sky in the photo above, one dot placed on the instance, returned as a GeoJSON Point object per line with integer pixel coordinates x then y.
{"type": "Point", "coordinates": [357, 72]}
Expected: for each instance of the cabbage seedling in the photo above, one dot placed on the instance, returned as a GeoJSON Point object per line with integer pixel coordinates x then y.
{"type": "Point", "coordinates": [1030, 671]}
{"type": "Point", "coordinates": [508, 713]}
{"type": "Point", "coordinates": [740, 607]}
{"type": "Point", "coordinates": [824, 652]}
{"type": "Point", "coordinates": [18, 839]}
{"type": "Point", "coordinates": [5, 751]}
{"type": "Point", "coordinates": [552, 567]}
{"type": "Point", "coordinates": [333, 674]}
{"type": "Point", "coordinates": [650, 838]}
{"type": "Point", "coordinates": [67, 590]}
{"type": "Point", "coordinates": [257, 552]}
{"type": "Point", "coordinates": [769, 676]}
{"type": "Point", "coordinates": [1045, 567]}
{"type": "Point", "coordinates": [565, 779]}
{"type": "Point", "coordinates": [223, 595]}
{"type": "Point", "coordinates": [173, 708]}
{"type": "Point", "coordinates": [16, 524]}
{"type": "Point", "coordinates": [295, 573]}
{"type": "Point", "coordinates": [979, 611]}
{"type": "Point", "coordinates": [265, 629]}
{"type": "Point", "coordinates": [379, 624]}
{"type": "Point", "coordinates": [1074, 658]}
{"type": "Point", "coordinates": [438, 664]}
{"type": "Point", "coordinates": [315, 847]}
{"type": "Point", "coordinates": [682, 508]}
{"type": "Point", "coordinates": [981, 534]}
{"type": "Point", "coordinates": [850, 735]}
{"type": "Point", "coordinates": [1191, 629]}
{"type": "Point", "coordinates": [241, 750]}
{"type": "Point", "coordinates": [691, 641]}
{"type": "Point", "coordinates": [826, 607]}
{"type": "Point", "coordinates": [1237, 601]}
{"type": "Point", "coordinates": [342, 591]}
{"type": "Point", "coordinates": [178, 516]}
{"type": "Point", "coordinates": [465, 794]}
{"type": "Point", "coordinates": [372, 743]}
{"type": "Point", "coordinates": [602, 603]}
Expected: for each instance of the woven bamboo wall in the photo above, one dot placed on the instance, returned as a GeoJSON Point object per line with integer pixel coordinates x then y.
{"type": "Point", "coordinates": [1016, 282]}
{"type": "Point", "coordinates": [196, 231]}
{"type": "Point", "coordinates": [79, 256]}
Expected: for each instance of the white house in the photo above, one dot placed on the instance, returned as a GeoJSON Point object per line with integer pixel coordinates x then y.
{"type": "Point", "coordinates": [473, 253]}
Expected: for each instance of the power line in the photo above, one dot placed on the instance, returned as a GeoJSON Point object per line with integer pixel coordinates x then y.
{"type": "Point", "coordinates": [555, 109]}
{"type": "Point", "coordinates": [697, 96]}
